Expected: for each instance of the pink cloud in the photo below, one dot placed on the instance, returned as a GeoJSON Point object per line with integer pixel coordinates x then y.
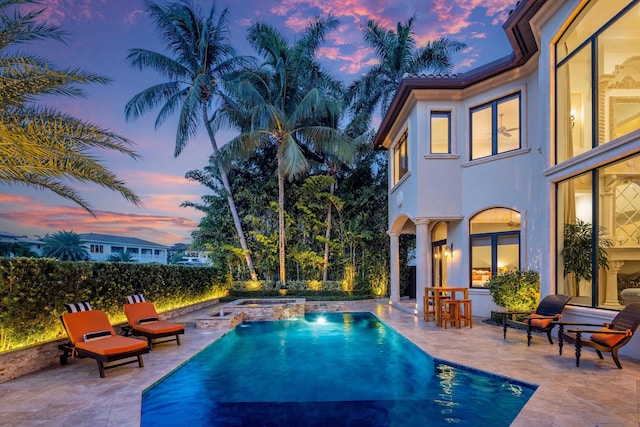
{"type": "Point", "coordinates": [56, 11]}
{"type": "Point", "coordinates": [162, 229]}
{"type": "Point", "coordinates": [475, 35]}
{"type": "Point", "coordinates": [132, 17]}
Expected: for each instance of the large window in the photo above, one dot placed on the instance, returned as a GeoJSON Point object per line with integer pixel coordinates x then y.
{"type": "Point", "coordinates": [495, 127]}
{"type": "Point", "coordinates": [598, 77]}
{"type": "Point", "coordinates": [400, 159]}
{"type": "Point", "coordinates": [599, 234]}
{"type": "Point", "coordinates": [495, 244]}
{"type": "Point", "coordinates": [440, 132]}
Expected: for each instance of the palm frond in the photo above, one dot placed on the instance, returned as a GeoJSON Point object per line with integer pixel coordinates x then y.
{"type": "Point", "coordinates": [294, 162]}
{"type": "Point", "coordinates": [24, 27]}
{"type": "Point", "coordinates": [150, 98]}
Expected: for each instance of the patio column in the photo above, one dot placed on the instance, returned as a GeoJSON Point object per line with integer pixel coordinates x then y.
{"type": "Point", "coordinates": [423, 244]}
{"type": "Point", "coordinates": [611, 285]}
{"type": "Point", "coordinates": [395, 266]}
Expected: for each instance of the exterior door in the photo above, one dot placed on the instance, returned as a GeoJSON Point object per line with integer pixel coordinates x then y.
{"type": "Point", "coordinates": [439, 260]}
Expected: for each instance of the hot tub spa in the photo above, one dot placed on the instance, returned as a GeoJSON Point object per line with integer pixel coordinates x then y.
{"type": "Point", "coordinates": [255, 309]}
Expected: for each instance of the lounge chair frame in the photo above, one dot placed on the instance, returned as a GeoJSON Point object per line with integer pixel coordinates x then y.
{"type": "Point", "coordinates": [550, 307]}
{"type": "Point", "coordinates": [625, 323]}
{"type": "Point", "coordinates": [70, 350]}
{"type": "Point", "coordinates": [152, 337]}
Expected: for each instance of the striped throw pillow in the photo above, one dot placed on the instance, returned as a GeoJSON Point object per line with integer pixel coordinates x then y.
{"type": "Point", "coordinates": [78, 306]}
{"type": "Point", "coordinates": [135, 298]}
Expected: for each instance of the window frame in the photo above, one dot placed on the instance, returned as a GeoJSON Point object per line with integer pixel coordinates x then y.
{"type": "Point", "coordinates": [493, 105]}
{"type": "Point", "coordinates": [442, 114]}
{"type": "Point", "coordinates": [494, 237]}
{"type": "Point", "coordinates": [589, 43]}
{"type": "Point", "coordinates": [400, 167]}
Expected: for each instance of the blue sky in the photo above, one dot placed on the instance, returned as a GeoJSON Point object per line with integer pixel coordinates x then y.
{"type": "Point", "coordinates": [102, 31]}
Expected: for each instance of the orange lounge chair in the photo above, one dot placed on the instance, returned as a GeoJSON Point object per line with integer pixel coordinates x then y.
{"type": "Point", "coordinates": [602, 337]}
{"type": "Point", "coordinates": [91, 335]}
{"type": "Point", "coordinates": [144, 321]}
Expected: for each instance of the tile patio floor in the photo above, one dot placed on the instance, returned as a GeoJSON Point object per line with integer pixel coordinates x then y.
{"type": "Point", "coordinates": [596, 394]}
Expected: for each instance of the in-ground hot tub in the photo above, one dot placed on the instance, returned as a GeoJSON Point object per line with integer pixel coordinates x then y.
{"type": "Point", "coordinates": [255, 309]}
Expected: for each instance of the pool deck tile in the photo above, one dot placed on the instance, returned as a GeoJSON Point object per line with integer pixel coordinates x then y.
{"type": "Point", "coordinates": [596, 394]}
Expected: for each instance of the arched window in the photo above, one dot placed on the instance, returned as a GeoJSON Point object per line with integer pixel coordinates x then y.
{"type": "Point", "coordinates": [494, 244]}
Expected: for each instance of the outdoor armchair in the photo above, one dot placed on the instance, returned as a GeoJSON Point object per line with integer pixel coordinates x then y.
{"type": "Point", "coordinates": [602, 337]}
{"type": "Point", "coordinates": [541, 320]}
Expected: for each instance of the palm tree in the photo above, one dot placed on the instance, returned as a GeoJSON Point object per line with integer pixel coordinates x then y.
{"type": "Point", "coordinates": [202, 59]}
{"type": "Point", "coordinates": [121, 257]}
{"type": "Point", "coordinates": [286, 102]}
{"type": "Point", "coordinates": [65, 246]}
{"type": "Point", "coordinates": [40, 146]}
{"type": "Point", "coordinates": [397, 57]}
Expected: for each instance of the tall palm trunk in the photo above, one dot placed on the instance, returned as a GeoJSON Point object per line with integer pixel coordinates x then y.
{"type": "Point", "coordinates": [327, 235]}
{"type": "Point", "coordinates": [281, 237]}
{"type": "Point", "coordinates": [232, 203]}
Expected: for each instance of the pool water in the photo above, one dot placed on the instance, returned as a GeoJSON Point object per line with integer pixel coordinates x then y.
{"type": "Point", "coordinates": [341, 369]}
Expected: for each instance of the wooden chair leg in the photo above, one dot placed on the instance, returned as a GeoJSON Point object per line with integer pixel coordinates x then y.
{"type": "Point", "coordinates": [429, 308]}
{"type": "Point", "coordinates": [614, 354]}
{"type": "Point", "coordinates": [465, 313]}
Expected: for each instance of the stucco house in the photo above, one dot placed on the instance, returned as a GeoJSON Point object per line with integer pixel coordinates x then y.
{"type": "Point", "coordinates": [100, 246]}
{"type": "Point", "coordinates": [487, 167]}
{"type": "Point", "coordinates": [34, 243]}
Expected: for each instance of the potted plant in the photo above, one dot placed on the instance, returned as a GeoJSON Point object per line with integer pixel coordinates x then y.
{"type": "Point", "coordinates": [576, 253]}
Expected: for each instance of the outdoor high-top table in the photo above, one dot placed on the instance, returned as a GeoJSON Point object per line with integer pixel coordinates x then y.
{"type": "Point", "coordinates": [436, 293]}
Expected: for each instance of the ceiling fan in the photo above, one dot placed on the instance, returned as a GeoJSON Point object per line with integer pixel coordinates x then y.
{"type": "Point", "coordinates": [503, 129]}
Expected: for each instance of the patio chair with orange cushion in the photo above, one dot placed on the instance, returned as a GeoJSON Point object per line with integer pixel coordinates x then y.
{"type": "Point", "coordinates": [91, 335]}
{"type": "Point", "coordinates": [144, 321]}
{"type": "Point", "coordinates": [602, 337]}
{"type": "Point", "coordinates": [541, 320]}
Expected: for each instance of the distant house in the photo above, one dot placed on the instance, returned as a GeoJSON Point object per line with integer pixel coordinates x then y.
{"type": "Point", "coordinates": [34, 243]}
{"type": "Point", "coordinates": [100, 246]}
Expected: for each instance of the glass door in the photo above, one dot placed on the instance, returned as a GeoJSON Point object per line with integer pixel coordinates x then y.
{"type": "Point", "coordinates": [439, 263]}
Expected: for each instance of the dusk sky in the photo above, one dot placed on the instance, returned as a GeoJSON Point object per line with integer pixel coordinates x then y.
{"type": "Point", "coordinates": [102, 31]}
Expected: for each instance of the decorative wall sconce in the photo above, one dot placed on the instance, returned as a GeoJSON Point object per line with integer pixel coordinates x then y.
{"type": "Point", "coordinates": [448, 250]}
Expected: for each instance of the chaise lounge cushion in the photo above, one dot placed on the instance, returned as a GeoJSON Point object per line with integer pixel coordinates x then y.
{"type": "Point", "coordinates": [116, 344]}
{"type": "Point", "coordinates": [139, 312]}
{"type": "Point", "coordinates": [83, 324]}
{"type": "Point", "coordinates": [80, 323]}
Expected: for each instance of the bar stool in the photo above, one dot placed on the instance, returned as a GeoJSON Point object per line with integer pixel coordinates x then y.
{"type": "Point", "coordinates": [465, 312]}
{"type": "Point", "coordinates": [429, 307]}
{"type": "Point", "coordinates": [450, 312]}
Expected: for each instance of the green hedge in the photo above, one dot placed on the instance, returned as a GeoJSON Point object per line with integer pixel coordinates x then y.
{"type": "Point", "coordinates": [33, 291]}
{"type": "Point", "coordinates": [308, 294]}
{"type": "Point", "coordinates": [361, 286]}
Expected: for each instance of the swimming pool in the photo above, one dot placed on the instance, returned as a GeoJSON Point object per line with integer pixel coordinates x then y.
{"type": "Point", "coordinates": [343, 369]}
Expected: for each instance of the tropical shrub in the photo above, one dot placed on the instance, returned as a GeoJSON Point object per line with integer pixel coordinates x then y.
{"type": "Point", "coordinates": [33, 292]}
{"type": "Point", "coordinates": [516, 290]}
